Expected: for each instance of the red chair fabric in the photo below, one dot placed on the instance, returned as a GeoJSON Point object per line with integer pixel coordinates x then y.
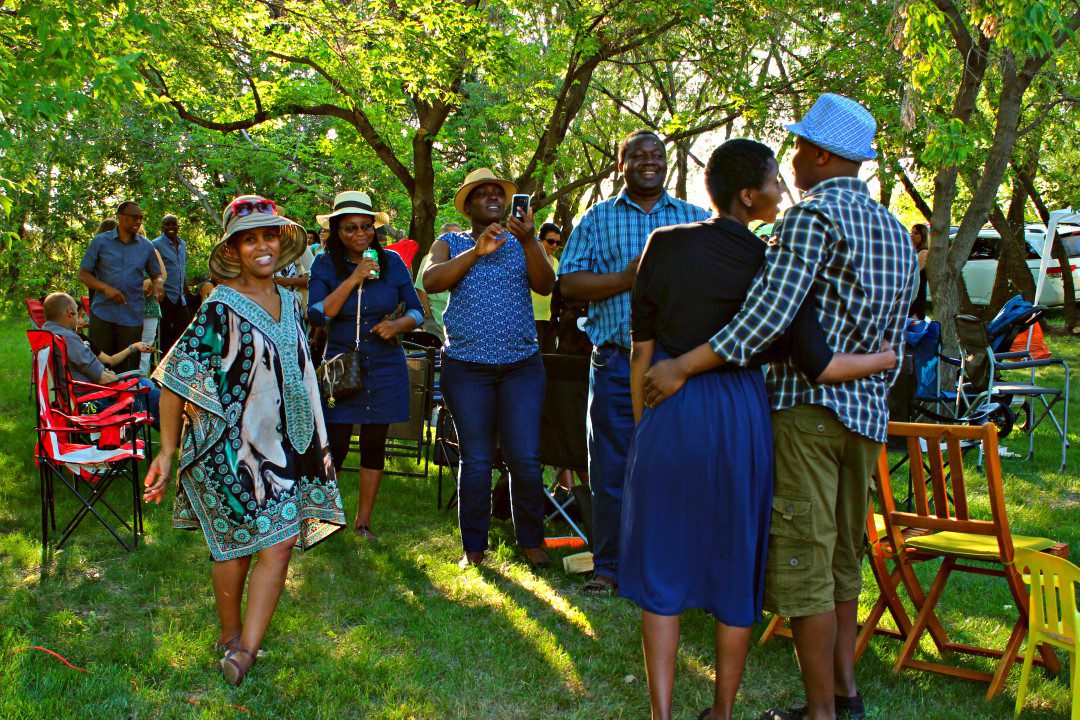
{"type": "Point", "coordinates": [406, 250]}
{"type": "Point", "coordinates": [36, 309]}
{"type": "Point", "coordinates": [86, 469]}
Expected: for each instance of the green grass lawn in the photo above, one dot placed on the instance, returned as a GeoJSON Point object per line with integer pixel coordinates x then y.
{"type": "Point", "coordinates": [394, 630]}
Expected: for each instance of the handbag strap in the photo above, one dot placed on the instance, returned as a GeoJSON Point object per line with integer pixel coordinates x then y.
{"type": "Point", "coordinates": [330, 320]}
{"type": "Point", "coordinates": [359, 290]}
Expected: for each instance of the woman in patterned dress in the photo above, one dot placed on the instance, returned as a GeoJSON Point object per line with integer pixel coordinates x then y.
{"type": "Point", "coordinates": [492, 377]}
{"type": "Point", "coordinates": [255, 469]}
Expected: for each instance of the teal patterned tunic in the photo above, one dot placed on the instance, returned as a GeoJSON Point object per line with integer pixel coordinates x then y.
{"type": "Point", "coordinates": [255, 467]}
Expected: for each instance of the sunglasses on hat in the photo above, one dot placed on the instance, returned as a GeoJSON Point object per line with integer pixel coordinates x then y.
{"type": "Point", "coordinates": [243, 208]}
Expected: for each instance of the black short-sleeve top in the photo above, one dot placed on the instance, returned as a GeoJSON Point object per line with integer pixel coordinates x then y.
{"type": "Point", "coordinates": [693, 279]}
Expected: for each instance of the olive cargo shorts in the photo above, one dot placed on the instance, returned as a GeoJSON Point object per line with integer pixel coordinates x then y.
{"type": "Point", "coordinates": [820, 500]}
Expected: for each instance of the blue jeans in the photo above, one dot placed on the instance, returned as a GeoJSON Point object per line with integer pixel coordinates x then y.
{"type": "Point", "coordinates": [151, 402]}
{"type": "Point", "coordinates": [610, 428]}
{"type": "Point", "coordinates": [497, 406]}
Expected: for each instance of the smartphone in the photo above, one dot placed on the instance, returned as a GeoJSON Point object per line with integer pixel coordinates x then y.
{"type": "Point", "coordinates": [519, 206]}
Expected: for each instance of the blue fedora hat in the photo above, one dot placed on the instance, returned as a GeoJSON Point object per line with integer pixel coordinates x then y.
{"type": "Point", "coordinates": [840, 125]}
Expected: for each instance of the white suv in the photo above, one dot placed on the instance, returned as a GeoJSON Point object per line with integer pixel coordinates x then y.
{"type": "Point", "coordinates": [981, 267]}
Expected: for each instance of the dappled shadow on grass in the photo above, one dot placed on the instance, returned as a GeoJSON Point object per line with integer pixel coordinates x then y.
{"type": "Point", "coordinates": [393, 630]}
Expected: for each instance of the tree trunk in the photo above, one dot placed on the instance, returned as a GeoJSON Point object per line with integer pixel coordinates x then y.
{"type": "Point", "coordinates": [1013, 275]}
{"type": "Point", "coordinates": [888, 183]}
{"type": "Point", "coordinates": [682, 168]}
{"type": "Point", "coordinates": [422, 193]}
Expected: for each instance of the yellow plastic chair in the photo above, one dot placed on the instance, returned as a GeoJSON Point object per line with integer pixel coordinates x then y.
{"type": "Point", "coordinates": [1052, 616]}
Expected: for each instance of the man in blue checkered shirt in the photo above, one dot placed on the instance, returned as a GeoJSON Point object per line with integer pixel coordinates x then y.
{"type": "Point", "coordinates": [599, 264]}
{"type": "Point", "coordinates": [857, 259]}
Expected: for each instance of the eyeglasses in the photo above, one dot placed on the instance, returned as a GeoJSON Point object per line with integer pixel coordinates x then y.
{"type": "Point", "coordinates": [350, 229]}
{"type": "Point", "coordinates": [555, 243]}
{"type": "Point", "coordinates": [133, 217]}
{"type": "Point", "coordinates": [243, 208]}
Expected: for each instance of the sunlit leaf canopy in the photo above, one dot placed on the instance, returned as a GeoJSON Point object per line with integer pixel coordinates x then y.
{"type": "Point", "coordinates": [183, 104]}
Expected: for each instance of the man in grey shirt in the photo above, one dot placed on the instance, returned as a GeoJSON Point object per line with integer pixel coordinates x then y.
{"type": "Point", "coordinates": [113, 267]}
{"type": "Point", "coordinates": [61, 319]}
{"type": "Point", "coordinates": [174, 312]}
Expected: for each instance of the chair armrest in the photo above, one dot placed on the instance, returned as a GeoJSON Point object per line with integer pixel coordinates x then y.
{"type": "Point", "coordinates": [130, 386]}
{"type": "Point", "coordinates": [129, 374]}
{"type": "Point", "coordinates": [1011, 354]}
{"type": "Point", "coordinates": [1030, 364]}
{"type": "Point", "coordinates": [950, 360]}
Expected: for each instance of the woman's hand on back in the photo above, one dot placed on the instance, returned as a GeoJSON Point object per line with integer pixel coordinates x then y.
{"type": "Point", "coordinates": [491, 239]}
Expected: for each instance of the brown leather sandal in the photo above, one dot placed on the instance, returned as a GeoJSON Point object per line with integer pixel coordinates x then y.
{"type": "Point", "coordinates": [221, 647]}
{"type": "Point", "coordinates": [600, 586]}
{"type": "Point", "coordinates": [232, 671]}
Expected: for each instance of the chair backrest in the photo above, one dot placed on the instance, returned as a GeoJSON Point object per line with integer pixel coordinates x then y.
{"type": "Point", "coordinates": [974, 341]}
{"type": "Point", "coordinates": [50, 391]}
{"type": "Point", "coordinates": [945, 507]}
{"type": "Point", "coordinates": [922, 339]}
{"type": "Point", "coordinates": [36, 310]}
{"type": "Point", "coordinates": [1054, 582]}
{"type": "Point", "coordinates": [563, 428]}
{"type": "Point", "coordinates": [421, 388]}
{"type": "Point", "coordinates": [1014, 317]}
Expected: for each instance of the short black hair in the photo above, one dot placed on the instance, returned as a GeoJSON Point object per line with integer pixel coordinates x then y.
{"type": "Point", "coordinates": [125, 205]}
{"type": "Point", "coordinates": [735, 166]}
{"type": "Point", "coordinates": [548, 227]}
{"type": "Point", "coordinates": [634, 135]}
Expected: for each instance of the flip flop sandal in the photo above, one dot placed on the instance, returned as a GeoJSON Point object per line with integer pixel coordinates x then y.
{"type": "Point", "coordinates": [221, 647]}
{"type": "Point", "coordinates": [364, 531]}
{"type": "Point", "coordinates": [600, 586]}
{"type": "Point", "coordinates": [792, 714]}
{"type": "Point", "coordinates": [231, 670]}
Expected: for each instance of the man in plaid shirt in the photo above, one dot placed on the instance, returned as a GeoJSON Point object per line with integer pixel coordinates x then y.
{"type": "Point", "coordinates": [857, 259]}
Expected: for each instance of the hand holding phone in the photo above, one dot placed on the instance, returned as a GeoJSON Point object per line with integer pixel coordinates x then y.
{"type": "Point", "coordinates": [523, 229]}
{"type": "Point", "coordinates": [519, 206]}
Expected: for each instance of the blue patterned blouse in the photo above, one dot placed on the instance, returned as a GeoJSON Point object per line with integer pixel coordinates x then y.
{"type": "Point", "coordinates": [489, 318]}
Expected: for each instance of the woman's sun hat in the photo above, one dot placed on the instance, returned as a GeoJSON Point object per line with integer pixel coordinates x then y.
{"type": "Point", "coordinates": [254, 211]}
{"type": "Point", "coordinates": [840, 125]}
{"type": "Point", "coordinates": [353, 202]}
{"type": "Point", "coordinates": [481, 176]}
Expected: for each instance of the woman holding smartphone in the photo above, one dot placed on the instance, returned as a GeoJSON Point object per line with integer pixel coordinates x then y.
{"type": "Point", "coordinates": [492, 375]}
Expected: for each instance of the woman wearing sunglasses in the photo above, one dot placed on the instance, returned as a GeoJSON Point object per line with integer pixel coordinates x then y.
{"type": "Point", "coordinates": [255, 468]}
{"type": "Point", "coordinates": [373, 299]}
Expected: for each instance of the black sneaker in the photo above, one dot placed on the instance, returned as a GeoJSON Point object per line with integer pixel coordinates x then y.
{"type": "Point", "coordinates": [847, 708]}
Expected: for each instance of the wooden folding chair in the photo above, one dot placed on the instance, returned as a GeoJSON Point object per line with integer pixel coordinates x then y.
{"type": "Point", "coordinates": [983, 547]}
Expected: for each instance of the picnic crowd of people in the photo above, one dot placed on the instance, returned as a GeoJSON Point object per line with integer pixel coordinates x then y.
{"type": "Point", "coordinates": [737, 388]}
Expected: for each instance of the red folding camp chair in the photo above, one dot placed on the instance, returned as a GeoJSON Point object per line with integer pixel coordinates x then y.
{"type": "Point", "coordinates": [86, 453]}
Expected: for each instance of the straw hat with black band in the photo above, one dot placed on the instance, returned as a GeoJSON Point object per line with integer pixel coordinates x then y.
{"type": "Point", "coordinates": [353, 202]}
{"type": "Point", "coordinates": [260, 212]}
{"type": "Point", "coordinates": [480, 176]}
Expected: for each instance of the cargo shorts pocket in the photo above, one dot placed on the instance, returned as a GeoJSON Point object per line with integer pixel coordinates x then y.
{"type": "Point", "coordinates": [787, 577]}
{"type": "Point", "coordinates": [790, 518]}
{"type": "Point", "coordinates": [823, 424]}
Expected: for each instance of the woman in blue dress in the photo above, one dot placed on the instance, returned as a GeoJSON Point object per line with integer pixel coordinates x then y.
{"type": "Point", "coordinates": [341, 277]}
{"type": "Point", "coordinates": [492, 375]}
{"type": "Point", "coordinates": [699, 475]}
